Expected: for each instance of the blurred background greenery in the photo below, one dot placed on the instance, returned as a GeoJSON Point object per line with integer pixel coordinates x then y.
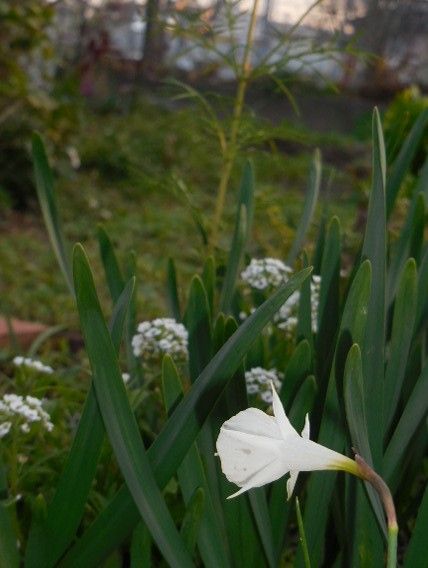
{"type": "Point", "coordinates": [140, 154]}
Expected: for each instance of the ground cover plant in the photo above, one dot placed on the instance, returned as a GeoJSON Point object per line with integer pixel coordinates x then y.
{"type": "Point", "coordinates": [129, 475]}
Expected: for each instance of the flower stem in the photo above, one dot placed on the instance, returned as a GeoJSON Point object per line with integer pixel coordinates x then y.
{"type": "Point", "coordinates": [231, 147]}
{"type": "Point", "coordinates": [368, 474]}
{"type": "Point", "coordinates": [392, 547]}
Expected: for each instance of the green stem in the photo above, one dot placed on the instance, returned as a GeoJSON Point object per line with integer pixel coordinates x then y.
{"type": "Point", "coordinates": [392, 547]}
{"type": "Point", "coordinates": [231, 147]}
{"type": "Point", "coordinates": [367, 473]}
{"type": "Point", "coordinates": [302, 535]}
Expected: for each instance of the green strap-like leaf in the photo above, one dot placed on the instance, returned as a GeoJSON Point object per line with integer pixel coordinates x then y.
{"type": "Point", "coordinates": [417, 550]}
{"type": "Point", "coordinates": [415, 411]}
{"type": "Point", "coordinates": [192, 519]}
{"type": "Point", "coordinates": [115, 280]}
{"type": "Point", "coordinates": [244, 219]}
{"type": "Point", "coordinates": [47, 200]}
{"type": "Point", "coordinates": [353, 384]}
{"type": "Point", "coordinates": [401, 337]}
{"type": "Point", "coordinates": [172, 291]}
{"type": "Point", "coordinates": [209, 280]}
{"type": "Point", "coordinates": [331, 434]}
{"type": "Point", "coordinates": [404, 159]}
{"type": "Point", "coordinates": [304, 324]}
{"type": "Point", "coordinates": [119, 420]}
{"type": "Point", "coordinates": [328, 309]}
{"type": "Point", "coordinates": [278, 507]}
{"type": "Point", "coordinates": [47, 542]}
{"type": "Point", "coordinates": [9, 555]}
{"type": "Point", "coordinates": [374, 249]}
{"type": "Point", "coordinates": [299, 367]}
{"type": "Point", "coordinates": [198, 324]}
{"type": "Point", "coordinates": [309, 207]}
{"type": "Point", "coordinates": [212, 538]}
{"type": "Point", "coordinates": [141, 544]}
{"type": "Point", "coordinates": [409, 244]}
{"type": "Point", "coordinates": [167, 452]}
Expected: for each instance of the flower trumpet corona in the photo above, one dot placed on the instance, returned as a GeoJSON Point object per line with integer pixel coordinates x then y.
{"type": "Point", "coordinates": [256, 448]}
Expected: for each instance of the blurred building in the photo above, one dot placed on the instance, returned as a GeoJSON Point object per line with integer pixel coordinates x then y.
{"type": "Point", "coordinates": [396, 32]}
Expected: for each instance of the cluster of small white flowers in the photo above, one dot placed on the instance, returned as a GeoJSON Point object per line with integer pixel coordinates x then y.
{"type": "Point", "coordinates": [315, 300]}
{"type": "Point", "coordinates": [286, 317]}
{"type": "Point", "coordinates": [259, 380]}
{"type": "Point", "coordinates": [27, 410]}
{"type": "Point", "coordinates": [159, 337]}
{"type": "Point", "coordinates": [20, 361]}
{"type": "Point", "coordinates": [265, 273]}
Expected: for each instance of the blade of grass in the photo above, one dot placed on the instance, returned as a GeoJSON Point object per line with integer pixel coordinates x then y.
{"type": "Point", "coordinates": [48, 204]}
{"type": "Point", "coordinates": [119, 420]}
{"type": "Point", "coordinates": [116, 522]}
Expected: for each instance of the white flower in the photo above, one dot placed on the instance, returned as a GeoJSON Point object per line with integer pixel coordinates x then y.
{"type": "Point", "coordinates": [5, 428]}
{"type": "Point", "coordinates": [160, 336]}
{"type": "Point", "coordinates": [256, 448]}
{"type": "Point", "coordinates": [23, 410]}
{"type": "Point", "coordinates": [20, 361]}
{"type": "Point", "coordinates": [265, 273]}
{"type": "Point", "coordinates": [286, 318]}
{"type": "Point", "coordinates": [258, 381]}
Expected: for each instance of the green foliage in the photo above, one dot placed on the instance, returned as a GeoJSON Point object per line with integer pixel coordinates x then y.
{"type": "Point", "coordinates": [28, 100]}
{"type": "Point", "coordinates": [145, 484]}
{"type": "Point", "coordinates": [399, 118]}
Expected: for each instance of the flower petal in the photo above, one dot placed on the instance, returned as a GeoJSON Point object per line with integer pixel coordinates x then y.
{"type": "Point", "coordinates": [306, 428]}
{"type": "Point", "coordinates": [251, 449]}
{"type": "Point", "coordinates": [291, 483]}
{"type": "Point", "coordinates": [284, 424]}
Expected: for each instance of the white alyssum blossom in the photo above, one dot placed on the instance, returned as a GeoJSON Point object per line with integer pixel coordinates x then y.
{"type": "Point", "coordinates": [5, 428]}
{"type": "Point", "coordinates": [266, 273]}
{"type": "Point", "coordinates": [258, 381]}
{"type": "Point", "coordinates": [25, 411]}
{"type": "Point", "coordinates": [256, 448]}
{"type": "Point", "coordinates": [286, 317]}
{"type": "Point", "coordinates": [159, 337]}
{"type": "Point", "coordinates": [20, 361]}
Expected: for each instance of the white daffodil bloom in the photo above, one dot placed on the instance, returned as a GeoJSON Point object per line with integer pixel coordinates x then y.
{"type": "Point", "coordinates": [256, 448]}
